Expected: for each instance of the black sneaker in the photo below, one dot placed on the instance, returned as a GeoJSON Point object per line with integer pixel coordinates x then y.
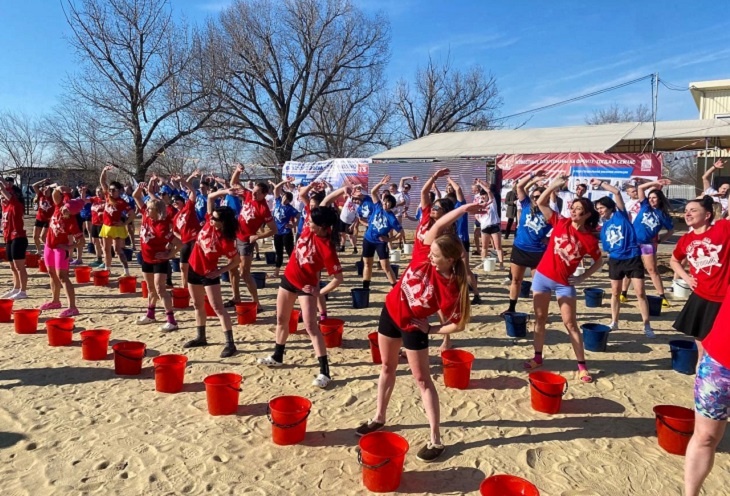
{"type": "Point", "coordinates": [368, 427]}
{"type": "Point", "coordinates": [228, 351]}
{"type": "Point", "coordinates": [430, 452]}
{"type": "Point", "coordinates": [476, 300]}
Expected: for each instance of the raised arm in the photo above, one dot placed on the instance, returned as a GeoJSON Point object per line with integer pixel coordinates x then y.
{"type": "Point", "coordinates": [446, 220]}
{"type": "Point", "coordinates": [235, 177]}
{"type": "Point", "coordinates": [278, 187]}
{"type": "Point", "coordinates": [217, 194]}
{"type": "Point", "coordinates": [57, 195]}
{"type": "Point", "coordinates": [192, 193]}
{"type": "Point", "coordinates": [485, 186]}
{"type": "Point", "coordinates": [137, 194]}
{"type": "Point", "coordinates": [403, 180]}
{"type": "Point", "coordinates": [525, 183]}
{"type": "Point", "coordinates": [457, 189]}
{"type": "Point", "coordinates": [376, 189]}
{"type": "Point", "coordinates": [102, 179]}
{"type": "Point", "coordinates": [641, 190]}
{"type": "Point", "coordinates": [304, 192]}
{"type": "Point", "coordinates": [431, 181]}
{"type": "Point", "coordinates": [37, 186]}
{"type": "Point", "coordinates": [335, 194]}
{"type": "Point", "coordinates": [605, 185]}
{"type": "Point", "coordinates": [707, 175]}
{"type": "Point", "coordinates": [543, 203]}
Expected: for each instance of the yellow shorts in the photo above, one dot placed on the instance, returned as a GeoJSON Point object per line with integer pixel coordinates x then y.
{"type": "Point", "coordinates": [117, 232]}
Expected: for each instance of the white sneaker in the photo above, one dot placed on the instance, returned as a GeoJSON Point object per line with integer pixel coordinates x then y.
{"type": "Point", "coordinates": [269, 362]}
{"type": "Point", "coordinates": [613, 326]}
{"type": "Point", "coordinates": [8, 294]}
{"type": "Point", "coordinates": [126, 272]}
{"type": "Point", "coordinates": [649, 332]}
{"type": "Point", "coordinates": [143, 319]}
{"type": "Point", "coordinates": [167, 327]}
{"type": "Point", "coordinates": [321, 381]}
{"type": "Point", "coordinates": [507, 280]}
{"type": "Point", "coordinates": [20, 295]}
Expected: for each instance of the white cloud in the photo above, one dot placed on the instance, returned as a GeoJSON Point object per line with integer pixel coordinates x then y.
{"type": "Point", "coordinates": [214, 6]}
{"type": "Point", "coordinates": [469, 42]}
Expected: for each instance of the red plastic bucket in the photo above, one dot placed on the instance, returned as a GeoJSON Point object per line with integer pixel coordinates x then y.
{"type": "Point", "coordinates": [128, 357]}
{"type": "Point", "coordinates": [169, 372]}
{"type": "Point", "coordinates": [288, 417]}
{"type": "Point", "coordinates": [83, 274]}
{"type": "Point", "coordinates": [209, 312]}
{"type": "Point", "coordinates": [374, 348]}
{"type": "Point", "coordinates": [94, 344]}
{"type": "Point", "coordinates": [381, 455]}
{"type": "Point", "coordinates": [547, 391]}
{"type": "Point", "coordinates": [42, 266]}
{"type": "Point", "coordinates": [294, 321]}
{"type": "Point", "coordinates": [31, 260]}
{"type": "Point", "coordinates": [457, 368]}
{"type": "Point", "coordinates": [6, 310]}
{"type": "Point", "coordinates": [222, 390]}
{"type": "Point", "coordinates": [60, 331]}
{"type": "Point", "coordinates": [507, 485]}
{"type": "Point", "coordinates": [145, 291]}
{"type": "Point", "coordinates": [101, 277]}
{"type": "Point", "coordinates": [246, 312]}
{"type": "Point", "coordinates": [332, 330]}
{"type": "Point", "coordinates": [26, 321]}
{"type": "Point", "coordinates": [674, 427]}
{"type": "Point", "coordinates": [180, 297]}
{"type": "Point", "coordinates": [128, 284]}
{"type": "Point", "coordinates": [3, 254]}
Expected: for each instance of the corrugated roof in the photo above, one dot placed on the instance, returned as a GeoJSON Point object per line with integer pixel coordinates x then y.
{"type": "Point", "coordinates": [673, 135]}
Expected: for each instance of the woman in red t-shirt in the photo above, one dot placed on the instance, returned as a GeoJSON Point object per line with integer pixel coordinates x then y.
{"type": "Point", "coordinates": [571, 239]}
{"type": "Point", "coordinates": [97, 222]}
{"type": "Point", "coordinates": [114, 231]}
{"type": "Point", "coordinates": [434, 283]}
{"type": "Point", "coordinates": [217, 239]}
{"type": "Point", "coordinates": [44, 211]}
{"type": "Point", "coordinates": [704, 247]}
{"type": "Point", "coordinates": [16, 241]}
{"type": "Point", "coordinates": [158, 245]}
{"type": "Point", "coordinates": [186, 225]}
{"type": "Point", "coordinates": [315, 250]}
{"type": "Point", "coordinates": [63, 237]}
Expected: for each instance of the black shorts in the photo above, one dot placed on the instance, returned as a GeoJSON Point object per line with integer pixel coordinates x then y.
{"type": "Point", "coordinates": [524, 258]}
{"type": "Point", "coordinates": [412, 340]}
{"type": "Point", "coordinates": [369, 249]}
{"type": "Point", "coordinates": [157, 268]}
{"type": "Point", "coordinates": [15, 250]}
{"type": "Point", "coordinates": [198, 280]}
{"type": "Point", "coordinates": [96, 231]}
{"type": "Point", "coordinates": [80, 222]}
{"type": "Point", "coordinates": [345, 227]}
{"type": "Point", "coordinates": [633, 268]}
{"type": "Point", "coordinates": [185, 251]}
{"type": "Point", "coordinates": [493, 229]}
{"type": "Point", "coordinates": [41, 223]}
{"type": "Point", "coordinates": [697, 317]}
{"type": "Point", "coordinates": [477, 225]}
{"type": "Point", "coordinates": [288, 286]}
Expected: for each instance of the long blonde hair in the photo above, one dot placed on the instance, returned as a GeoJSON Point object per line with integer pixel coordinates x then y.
{"type": "Point", "coordinates": [451, 248]}
{"type": "Point", "coordinates": [158, 206]}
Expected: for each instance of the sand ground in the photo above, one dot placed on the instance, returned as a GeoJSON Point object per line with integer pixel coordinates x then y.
{"type": "Point", "coordinates": [69, 426]}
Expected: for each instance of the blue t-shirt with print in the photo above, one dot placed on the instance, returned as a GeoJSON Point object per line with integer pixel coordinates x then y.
{"type": "Point", "coordinates": [232, 201]}
{"type": "Point", "coordinates": [283, 214]}
{"type": "Point", "coordinates": [201, 205]}
{"type": "Point", "coordinates": [366, 208]}
{"type": "Point", "coordinates": [86, 211]}
{"type": "Point", "coordinates": [381, 223]}
{"type": "Point", "coordinates": [462, 224]}
{"type": "Point", "coordinates": [618, 237]}
{"type": "Point", "coordinates": [532, 230]}
{"type": "Point", "coordinates": [649, 221]}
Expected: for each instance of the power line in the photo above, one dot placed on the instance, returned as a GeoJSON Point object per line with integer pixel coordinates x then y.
{"type": "Point", "coordinates": [672, 87]}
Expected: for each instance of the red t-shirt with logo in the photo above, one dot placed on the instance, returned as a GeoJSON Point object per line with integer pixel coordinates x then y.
{"type": "Point", "coordinates": [186, 223]}
{"type": "Point", "coordinates": [45, 208]}
{"type": "Point", "coordinates": [566, 249]}
{"type": "Point", "coordinates": [113, 210]}
{"type": "Point", "coordinates": [12, 219]}
{"type": "Point", "coordinates": [97, 211]}
{"type": "Point", "coordinates": [211, 246]}
{"type": "Point", "coordinates": [421, 292]}
{"type": "Point", "coordinates": [708, 255]}
{"type": "Point", "coordinates": [253, 215]}
{"type": "Point", "coordinates": [62, 230]}
{"type": "Point", "coordinates": [716, 342]}
{"type": "Point", "coordinates": [154, 235]}
{"type": "Point", "coordinates": [311, 254]}
{"type": "Point", "coordinates": [423, 226]}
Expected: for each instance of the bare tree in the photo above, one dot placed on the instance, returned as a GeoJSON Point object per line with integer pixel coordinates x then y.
{"type": "Point", "coordinates": [21, 140]}
{"type": "Point", "coordinates": [284, 57]}
{"type": "Point", "coordinates": [614, 114]}
{"type": "Point", "coordinates": [144, 78]}
{"type": "Point", "coordinates": [76, 140]}
{"type": "Point", "coordinates": [682, 167]}
{"type": "Point", "coordinates": [444, 99]}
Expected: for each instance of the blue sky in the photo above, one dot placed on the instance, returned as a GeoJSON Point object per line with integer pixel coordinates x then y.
{"type": "Point", "coordinates": [540, 52]}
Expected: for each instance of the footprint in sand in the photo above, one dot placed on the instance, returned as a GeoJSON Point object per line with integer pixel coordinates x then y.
{"type": "Point", "coordinates": [532, 456]}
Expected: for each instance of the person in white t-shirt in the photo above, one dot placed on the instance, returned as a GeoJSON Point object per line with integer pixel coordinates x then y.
{"type": "Point", "coordinates": [348, 219]}
{"type": "Point", "coordinates": [568, 197]}
{"type": "Point", "coordinates": [719, 195]}
{"type": "Point", "coordinates": [478, 196]}
{"type": "Point", "coordinates": [491, 223]}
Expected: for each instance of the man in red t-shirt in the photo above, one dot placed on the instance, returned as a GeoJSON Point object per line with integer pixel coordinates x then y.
{"type": "Point", "coordinates": [254, 214]}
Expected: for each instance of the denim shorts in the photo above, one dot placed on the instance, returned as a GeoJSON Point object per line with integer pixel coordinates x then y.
{"type": "Point", "coordinates": [712, 389]}
{"type": "Point", "coordinates": [542, 284]}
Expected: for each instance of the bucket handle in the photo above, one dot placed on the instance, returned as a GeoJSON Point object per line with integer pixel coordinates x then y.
{"type": "Point", "coordinates": [285, 426]}
{"type": "Point", "coordinates": [370, 467]}
{"type": "Point", "coordinates": [333, 331]}
{"type": "Point", "coordinates": [676, 431]}
{"type": "Point", "coordinates": [131, 358]}
{"type": "Point", "coordinates": [549, 395]}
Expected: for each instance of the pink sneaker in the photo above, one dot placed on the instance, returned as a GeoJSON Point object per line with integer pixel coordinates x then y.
{"type": "Point", "coordinates": [51, 305]}
{"type": "Point", "coordinates": [69, 312]}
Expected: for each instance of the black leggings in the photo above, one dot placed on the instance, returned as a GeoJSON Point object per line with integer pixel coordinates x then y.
{"type": "Point", "coordinates": [281, 242]}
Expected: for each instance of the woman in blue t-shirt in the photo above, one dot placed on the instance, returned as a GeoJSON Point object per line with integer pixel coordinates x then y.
{"type": "Point", "coordinates": [285, 216]}
{"type": "Point", "coordinates": [529, 244]}
{"type": "Point", "coordinates": [653, 215]}
{"type": "Point", "coordinates": [377, 236]}
{"type": "Point", "coordinates": [624, 256]}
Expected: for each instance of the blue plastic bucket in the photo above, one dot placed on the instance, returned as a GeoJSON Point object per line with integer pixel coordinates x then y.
{"type": "Point", "coordinates": [270, 258]}
{"type": "Point", "coordinates": [139, 257]}
{"type": "Point", "coordinates": [322, 284]}
{"type": "Point", "coordinates": [260, 279]}
{"type": "Point", "coordinates": [128, 253]}
{"type": "Point", "coordinates": [175, 264]}
{"type": "Point", "coordinates": [90, 248]}
{"type": "Point", "coordinates": [655, 305]}
{"type": "Point", "coordinates": [525, 289]}
{"type": "Point", "coordinates": [359, 265]}
{"type": "Point", "coordinates": [225, 277]}
{"type": "Point", "coordinates": [594, 297]}
{"type": "Point", "coordinates": [516, 324]}
{"type": "Point", "coordinates": [595, 336]}
{"type": "Point", "coordinates": [396, 269]}
{"type": "Point", "coordinates": [684, 356]}
{"type": "Point", "coordinates": [360, 297]}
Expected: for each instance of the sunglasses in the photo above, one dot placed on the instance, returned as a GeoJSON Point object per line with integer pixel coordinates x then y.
{"type": "Point", "coordinates": [436, 208]}
{"type": "Point", "coordinates": [536, 197]}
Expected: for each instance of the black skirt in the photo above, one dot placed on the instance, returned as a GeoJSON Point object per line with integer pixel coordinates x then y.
{"type": "Point", "coordinates": [697, 317]}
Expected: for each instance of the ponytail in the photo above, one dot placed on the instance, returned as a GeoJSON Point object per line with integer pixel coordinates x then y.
{"type": "Point", "coordinates": [452, 248]}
